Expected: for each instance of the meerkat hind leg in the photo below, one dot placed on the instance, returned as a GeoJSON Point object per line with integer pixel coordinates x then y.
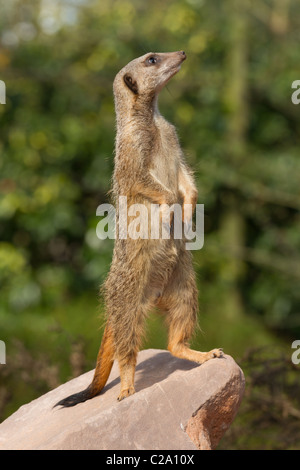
{"type": "Point", "coordinates": [180, 301]}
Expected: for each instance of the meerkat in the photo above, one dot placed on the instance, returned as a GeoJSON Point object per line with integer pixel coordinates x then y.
{"type": "Point", "coordinates": [146, 273]}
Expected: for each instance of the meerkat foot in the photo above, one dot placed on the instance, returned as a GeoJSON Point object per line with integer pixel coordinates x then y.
{"type": "Point", "coordinates": [202, 357]}
{"type": "Point", "coordinates": [218, 352]}
{"type": "Point", "coordinates": [126, 393]}
{"type": "Point", "coordinates": [184, 352]}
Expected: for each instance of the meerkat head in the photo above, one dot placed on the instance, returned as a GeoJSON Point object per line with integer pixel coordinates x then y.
{"type": "Point", "coordinates": [147, 75]}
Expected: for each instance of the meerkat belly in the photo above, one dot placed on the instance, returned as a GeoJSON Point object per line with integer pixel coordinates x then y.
{"type": "Point", "coordinates": [166, 155]}
{"type": "Point", "coordinates": [165, 169]}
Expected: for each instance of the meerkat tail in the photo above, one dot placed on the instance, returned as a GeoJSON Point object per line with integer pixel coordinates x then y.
{"type": "Point", "coordinates": [104, 364]}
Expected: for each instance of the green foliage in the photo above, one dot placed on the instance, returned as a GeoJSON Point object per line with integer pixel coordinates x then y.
{"type": "Point", "coordinates": [270, 407]}
{"type": "Point", "coordinates": [231, 103]}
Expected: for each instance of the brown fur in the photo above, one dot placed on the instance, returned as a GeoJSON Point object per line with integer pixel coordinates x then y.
{"type": "Point", "coordinates": [145, 273]}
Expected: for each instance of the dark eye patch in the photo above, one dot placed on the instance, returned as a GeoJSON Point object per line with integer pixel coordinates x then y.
{"type": "Point", "coordinates": [152, 60]}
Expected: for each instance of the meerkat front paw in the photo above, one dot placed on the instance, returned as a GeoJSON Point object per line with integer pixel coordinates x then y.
{"type": "Point", "coordinates": [126, 393]}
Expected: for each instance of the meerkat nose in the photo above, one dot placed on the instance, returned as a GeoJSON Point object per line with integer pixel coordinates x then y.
{"type": "Point", "coordinates": [183, 54]}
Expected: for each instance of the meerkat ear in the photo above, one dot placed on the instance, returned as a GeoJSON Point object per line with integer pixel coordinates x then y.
{"type": "Point", "coordinates": [132, 85]}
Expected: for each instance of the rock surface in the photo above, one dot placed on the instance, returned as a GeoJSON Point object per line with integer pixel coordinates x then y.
{"type": "Point", "coordinates": [178, 405]}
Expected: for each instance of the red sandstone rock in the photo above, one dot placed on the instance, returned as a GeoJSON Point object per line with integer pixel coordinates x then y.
{"type": "Point", "coordinates": [177, 405]}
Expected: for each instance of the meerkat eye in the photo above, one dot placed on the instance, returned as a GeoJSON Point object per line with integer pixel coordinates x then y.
{"type": "Point", "coordinates": [152, 60]}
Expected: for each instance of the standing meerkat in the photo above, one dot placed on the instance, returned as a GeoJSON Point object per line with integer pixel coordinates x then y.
{"type": "Point", "coordinates": [146, 273]}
